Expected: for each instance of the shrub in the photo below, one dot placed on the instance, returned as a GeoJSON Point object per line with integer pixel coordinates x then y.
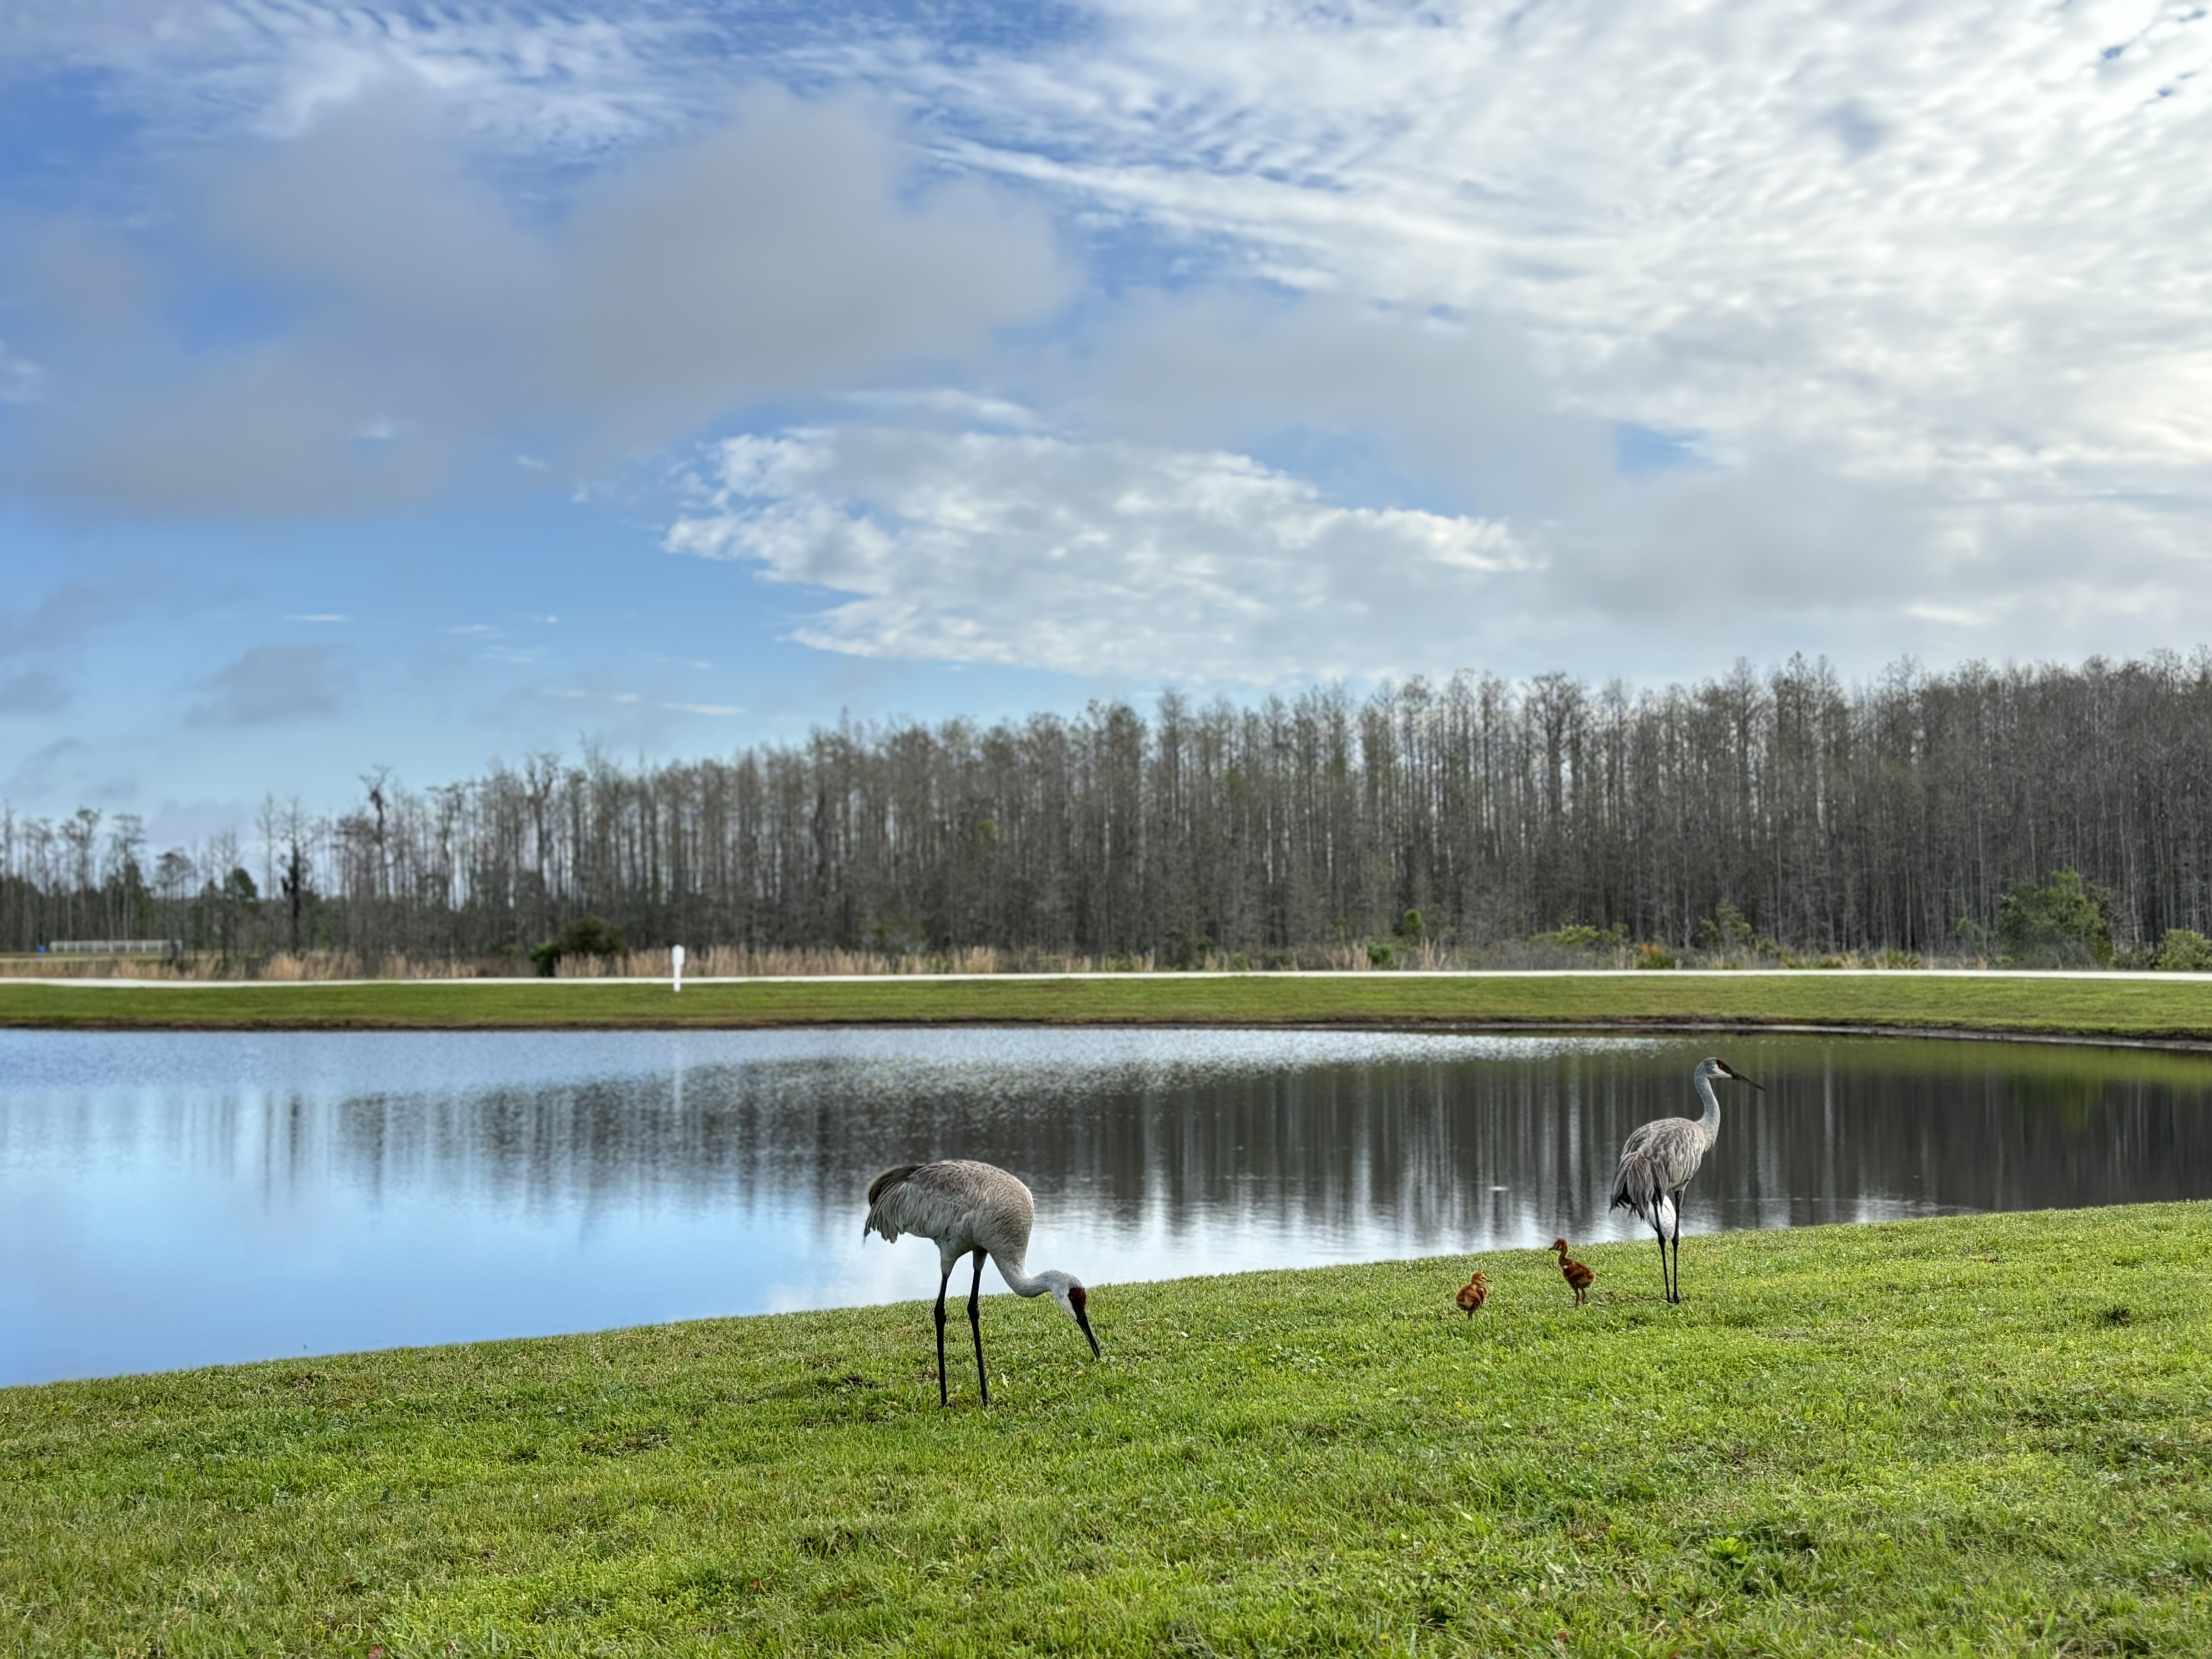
{"type": "Point", "coordinates": [1654, 956]}
{"type": "Point", "coordinates": [898, 935]}
{"type": "Point", "coordinates": [587, 936]}
{"type": "Point", "coordinates": [1380, 955]}
{"type": "Point", "coordinates": [2066, 924]}
{"type": "Point", "coordinates": [1726, 929]}
{"type": "Point", "coordinates": [1187, 948]}
{"type": "Point", "coordinates": [2185, 950]}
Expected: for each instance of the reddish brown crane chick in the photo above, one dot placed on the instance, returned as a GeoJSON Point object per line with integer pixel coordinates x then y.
{"type": "Point", "coordinates": [1474, 1293]}
{"type": "Point", "coordinates": [1577, 1273]}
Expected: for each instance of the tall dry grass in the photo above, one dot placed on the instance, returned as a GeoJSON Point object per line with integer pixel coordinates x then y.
{"type": "Point", "coordinates": [726, 962]}
{"type": "Point", "coordinates": [284, 966]}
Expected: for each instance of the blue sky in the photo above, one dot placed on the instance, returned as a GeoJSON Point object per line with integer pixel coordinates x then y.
{"type": "Point", "coordinates": [410, 386]}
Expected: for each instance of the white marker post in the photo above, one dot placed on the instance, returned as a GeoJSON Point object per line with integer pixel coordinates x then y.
{"type": "Point", "coordinates": [676, 955]}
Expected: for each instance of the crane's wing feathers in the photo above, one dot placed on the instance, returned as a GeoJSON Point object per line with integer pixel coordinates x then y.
{"type": "Point", "coordinates": [1656, 1159]}
{"type": "Point", "coordinates": [1638, 1139]}
{"type": "Point", "coordinates": [954, 1200]}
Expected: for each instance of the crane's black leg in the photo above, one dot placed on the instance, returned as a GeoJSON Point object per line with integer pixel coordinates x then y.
{"type": "Point", "coordinates": [1659, 1232]}
{"type": "Point", "coordinates": [941, 1283]}
{"type": "Point", "coordinates": [1678, 1247]}
{"type": "Point", "coordinates": [975, 1324]}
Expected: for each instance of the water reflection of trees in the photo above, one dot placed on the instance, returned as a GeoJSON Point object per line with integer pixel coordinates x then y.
{"type": "Point", "coordinates": [1417, 1149]}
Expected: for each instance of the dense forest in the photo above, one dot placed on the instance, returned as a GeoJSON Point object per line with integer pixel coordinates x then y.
{"type": "Point", "coordinates": [1790, 807]}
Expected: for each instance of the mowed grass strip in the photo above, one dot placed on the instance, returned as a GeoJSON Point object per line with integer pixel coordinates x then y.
{"type": "Point", "coordinates": [2088, 1004]}
{"type": "Point", "coordinates": [1988, 1435]}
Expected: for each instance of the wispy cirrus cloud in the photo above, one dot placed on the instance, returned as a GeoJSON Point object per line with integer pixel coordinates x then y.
{"type": "Point", "coordinates": [529, 77]}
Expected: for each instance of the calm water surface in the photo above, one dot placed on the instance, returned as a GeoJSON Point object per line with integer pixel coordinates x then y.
{"type": "Point", "coordinates": [171, 1198]}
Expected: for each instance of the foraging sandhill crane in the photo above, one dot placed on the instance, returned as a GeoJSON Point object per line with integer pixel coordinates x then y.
{"type": "Point", "coordinates": [1577, 1274]}
{"type": "Point", "coordinates": [1474, 1293]}
{"type": "Point", "coordinates": [970, 1207]}
{"type": "Point", "coordinates": [1657, 1161]}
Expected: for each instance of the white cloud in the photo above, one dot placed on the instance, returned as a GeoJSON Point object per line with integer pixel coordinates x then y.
{"type": "Point", "coordinates": [787, 251]}
{"type": "Point", "coordinates": [20, 381]}
{"type": "Point", "coordinates": [1921, 290]}
{"type": "Point", "coordinates": [1089, 557]}
{"type": "Point", "coordinates": [1140, 560]}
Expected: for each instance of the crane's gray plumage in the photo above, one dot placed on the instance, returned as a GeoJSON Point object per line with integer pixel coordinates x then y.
{"type": "Point", "coordinates": [970, 1209]}
{"type": "Point", "coordinates": [1658, 1160]}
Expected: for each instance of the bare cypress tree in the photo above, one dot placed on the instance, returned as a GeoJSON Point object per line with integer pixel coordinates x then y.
{"type": "Point", "coordinates": [1896, 813]}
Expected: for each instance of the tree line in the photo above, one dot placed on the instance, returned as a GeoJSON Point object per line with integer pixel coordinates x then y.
{"type": "Point", "coordinates": [1894, 814]}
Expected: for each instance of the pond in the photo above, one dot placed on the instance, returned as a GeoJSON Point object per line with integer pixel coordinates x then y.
{"type": "Point", "coordinates": [182, 1199]}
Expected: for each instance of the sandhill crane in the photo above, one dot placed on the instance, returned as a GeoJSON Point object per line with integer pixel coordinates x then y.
{"type": "Point", "coordinates": [969, 1207]}
{"type": "Point", "coordinates": [1472, 1294]}
{"type": "Point", "coordinates": [1657, 1161]}
{"type": "Point", "coordinates": [1579, 1275]}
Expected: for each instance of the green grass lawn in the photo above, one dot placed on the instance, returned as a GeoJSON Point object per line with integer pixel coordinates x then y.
{"type": "Point", "coordinates": [1980, 1436]}
{"type": "Point", "coordinates": [2152, 1008]}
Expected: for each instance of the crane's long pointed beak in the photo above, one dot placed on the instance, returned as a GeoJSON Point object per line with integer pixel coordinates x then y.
{"type": "Point", "coordinates": [1083, 1319]}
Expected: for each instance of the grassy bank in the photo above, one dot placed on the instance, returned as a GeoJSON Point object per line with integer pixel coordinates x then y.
{"type": "Point", "coordinates": [2151, 1007]}
{"type": "Point", "coordinates": [1986, 1435]}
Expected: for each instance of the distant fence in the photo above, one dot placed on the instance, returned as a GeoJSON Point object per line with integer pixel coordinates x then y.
{"type": "Point", "coordinates": [112, 947]}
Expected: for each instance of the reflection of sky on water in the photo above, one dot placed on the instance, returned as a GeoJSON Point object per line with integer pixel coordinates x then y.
{"type": "Point", "coordinates": [172, 1199]}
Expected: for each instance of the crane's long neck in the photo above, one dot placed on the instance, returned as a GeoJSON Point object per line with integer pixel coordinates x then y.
{"type": "Point", "coordinates": [1014, 1270]}
{"type": "Point", "coordinates": [1709, 1124]}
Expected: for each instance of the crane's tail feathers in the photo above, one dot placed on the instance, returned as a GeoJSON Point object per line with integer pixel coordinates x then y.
{"type": "Point", "coordinates": [889, 1182]}
{"type": "Point", "coordinates": [1640, 1187]}
{"type": "Point", "coordinates": [889, 1179]}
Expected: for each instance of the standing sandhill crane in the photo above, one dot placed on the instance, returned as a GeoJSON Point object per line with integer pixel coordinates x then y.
{"type": "Point", "coordinates": [1657, 1161]}
{"type": "Point", "coordinates": [969, 1207]}
{"type": "Point", "coordinates": [1578, 1274]}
